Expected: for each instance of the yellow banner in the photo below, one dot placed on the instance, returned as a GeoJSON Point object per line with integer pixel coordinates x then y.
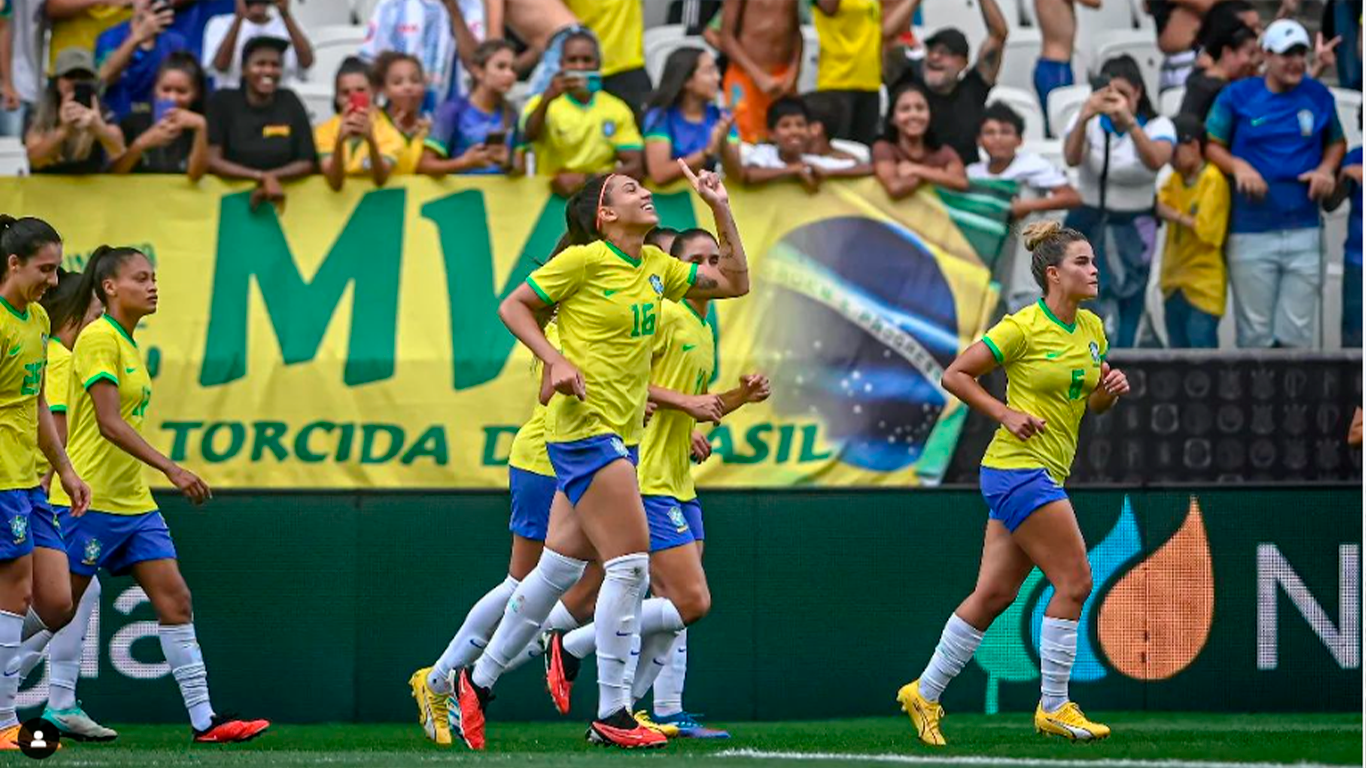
{"type": "Point", "coordinates": [352, 340]}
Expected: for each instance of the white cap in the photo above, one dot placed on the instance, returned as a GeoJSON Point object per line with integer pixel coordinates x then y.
{"type": "Point", "coordinates": [1284, 34]}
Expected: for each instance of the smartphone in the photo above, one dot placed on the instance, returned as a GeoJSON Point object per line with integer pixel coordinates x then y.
{"type": "Point", "coordinates": [84, 94]}
{"type": "Point", "coordinates": [496, 138]}
{"type": "Point", "coordinates": [359, 101]}
{"type": "Point", "coordinates": [593, 80]}
{"type": "Point", "coordinates": [160, 108]}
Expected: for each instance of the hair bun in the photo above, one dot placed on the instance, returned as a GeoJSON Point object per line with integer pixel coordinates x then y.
{"type": "Point", "coordinates": [6, 221]}
{"type": "Point", "coordinates": [1039, 232]}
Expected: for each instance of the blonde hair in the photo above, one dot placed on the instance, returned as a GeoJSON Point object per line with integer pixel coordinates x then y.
{"type": "Point", "coordinates": [1047, 241]}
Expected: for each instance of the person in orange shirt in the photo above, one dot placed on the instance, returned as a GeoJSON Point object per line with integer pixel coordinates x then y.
{"type": "Point", "coordinates": [763, 41]}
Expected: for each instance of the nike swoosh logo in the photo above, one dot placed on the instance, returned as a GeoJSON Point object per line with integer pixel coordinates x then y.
{"type": "Point", "coordinates": [635, 653]}
{"type": "Point", "coordinates": [476, 644]}
{"type": "Point", "coordinates": [623, 634]}
{"type": "Point", "coordinates": [608, 293]}
{"type": "Point", "coordinates": [130, 370]}
{"type": "Point", "coordinates": [1256, 121]}
{"type": "Point", "coordinates": [687, 347]}
{"type": "Point", "coordinates": [17, 349]}
{"type": "Point", "coordinates": [1052, 355]}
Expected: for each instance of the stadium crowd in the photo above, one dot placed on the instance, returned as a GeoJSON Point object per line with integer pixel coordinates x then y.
{"type": "Point", "coordinates": [560, 89]}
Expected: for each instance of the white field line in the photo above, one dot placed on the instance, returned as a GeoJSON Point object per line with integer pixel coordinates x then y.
{"type": "Point", "coordinates": [1015, 762]}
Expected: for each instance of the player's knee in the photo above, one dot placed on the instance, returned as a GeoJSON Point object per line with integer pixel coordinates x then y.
{"type": "Point", "coordinates": [994, 600]}
{"type": "Point", "coordinates": [55, 613]}
{"type": "Point", "coordinates": [1076, 588]}
{"type": "Point", "coordinates": [175, 606]}
{"type": "Point", "coordinates": [693, 604]}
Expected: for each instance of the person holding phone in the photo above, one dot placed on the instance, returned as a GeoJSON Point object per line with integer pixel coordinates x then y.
{"type": "Point", "coordinates": [130, 55]}
{"type": "Point", "coordinates": [475, 134]}
{"type": "Point", "coordinates": [354, 142]}
{"type": "Point", "coordinates": [70, 132]}
{"type": "Point", "coordinates": [399, 80]}
{"type": "Point", "coordinates": [174, 136]}
{"type": "Point", "coordinates": [575, 129]}
{"type": "Point", "coordinates": [226, 35]}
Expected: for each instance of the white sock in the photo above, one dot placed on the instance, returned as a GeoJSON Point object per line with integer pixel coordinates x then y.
{"type": "Point", "coordinates": [187, 665]}
{"type": "Point", "coordinates": [957, 643]}
{"type": "Point", "coordinates": [660, 625]}
{"type": "Point", "coordinates": [582, 642]}
{"type": "Point", "coordinates": [30, 653]}
{"type": "Point", "coordinates": [616, 620]}
{"type": "Point", "coordinates": [668, 697]}
{"type": "Point", "coordinates": [473, 636]}
{"type": "Point", "coordinates": [33, 624]}
{"type": "Point", "coordinates": [526, 611]}
{"type": "Point", "coordinates": [560, 618]}
{"type": "Point", "coordinates": [64, 652]}
{"type": "Point", "coordinates": [11, 631]}
{"type": "Point", "coordinates": [1057, 651]}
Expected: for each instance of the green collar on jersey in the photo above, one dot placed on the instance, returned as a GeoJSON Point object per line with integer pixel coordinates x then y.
{"type": "Point", "coordinates": [1065, 326]}
{"type": "Point", "coordinates": [119, 328]}
{"type": "Point", "coordinates": [622, 254]}
{"type": "Point", "coordinates": [21, 315]}
{"type": "Point", "coordinates": [693, 312]}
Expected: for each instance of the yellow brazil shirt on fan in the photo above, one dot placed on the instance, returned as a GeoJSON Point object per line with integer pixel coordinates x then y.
{"type": "Point", "coordinates": [684, 359]}
{"type": "Point", "coordinates": [609, 305]}
{"type": "Point", "coordinates": [355, 150]}
{"type": "Point", "coordinates": [1193, 261]}
{"type": "Point", "coordinates": [528, 445]}
{"type": "Point", "coordinates": [105, 352]}
{"type": "Point", "coordinates": [23, 355]}
{"type": "Point", "coordinates": [850, 46]}
{"type": "Point", "coordinates": [583, 138]}
{"type": "Point", "coordinates": [1051, 369]}
{"type": "Point", "coordinates": [409, 147]}
{"type": "Point", "coordinates": [54, 387]}
{"type": "Point", "coordinates": [620, 27]}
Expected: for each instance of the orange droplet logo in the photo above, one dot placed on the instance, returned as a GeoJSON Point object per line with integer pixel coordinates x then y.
{"type": "Point", "coordinates": [1156, 620]}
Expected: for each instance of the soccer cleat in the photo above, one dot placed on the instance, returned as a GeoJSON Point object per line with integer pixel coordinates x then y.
{"type": "Point", "coordinates": [226, 729]}
{"type": "Point", "coordinates": [9, 738]}
{"type": "Point", "coordinates": [76, 725]}
{"type": "Point", "coordinates": [431, 708]}
{"type": "Point", "coordinates": [1069, 723]}
{"type": "Point", "coordinates": [666, 730]}
{"type": "Point", "coordinates": [622, 731]}
{"type": "Point", "coordinates": [561, 667]}
{"type": "Point", "coordinates": [689, 727]}
{"type": "Point", "coordinates": [466, 709]}
{"type": "Point", "coordinates": [925, 714]}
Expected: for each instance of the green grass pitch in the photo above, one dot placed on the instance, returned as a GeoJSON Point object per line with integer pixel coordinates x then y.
{"type": "Point", "coordinates": [1140, 740]}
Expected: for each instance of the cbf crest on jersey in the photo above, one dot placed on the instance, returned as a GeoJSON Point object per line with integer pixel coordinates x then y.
{"type": "Point", "coordinates": [676, 517]}
{"type": "Point", "coordinates": [609, 128]}
{"type": "Point", "coordinates": [619, 447]}
{"type": "Point", "coordinates": [92, 552]}
{"type": "Point", "coordinates": [19, 527]}
{"type": "Point", "coordinates": [657, 284]}
{"type": "Point", "coordinates": [1095, 353]}
{"type": "Point", "coordinates": [1306, 119]}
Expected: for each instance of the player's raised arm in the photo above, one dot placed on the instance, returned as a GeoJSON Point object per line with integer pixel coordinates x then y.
{"type": "Point", "coordinates": [730, 278]}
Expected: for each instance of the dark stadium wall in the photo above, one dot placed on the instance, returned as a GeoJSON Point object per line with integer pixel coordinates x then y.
{"type": "Point", "coordinates": [317, 607]}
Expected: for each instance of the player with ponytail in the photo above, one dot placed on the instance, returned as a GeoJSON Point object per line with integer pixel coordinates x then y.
{"type": "Point", "coordinates": [1054, 356]}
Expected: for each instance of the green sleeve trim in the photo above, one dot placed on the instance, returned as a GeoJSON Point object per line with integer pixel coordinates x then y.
{"type": "Point", "coordinates": [436, 147]}
{"type": "Point", "coordinates": [57, 408]}
{"type": "Point", "coordinates": [658, 136]}
{"type": "Point", "coordinates": [692, 274]}
{"type": "Point", "coordinates": [630, 147]}
{"type": "Point", "coordinates": [995, 352]}
{"type": "Point", "coordinates": [531, 281]}
{"type": "Point", "coordinates": [101, 377]}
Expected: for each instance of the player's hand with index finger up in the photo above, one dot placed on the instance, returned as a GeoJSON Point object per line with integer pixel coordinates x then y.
{"type": "Point", "coordinates": [707, 185]}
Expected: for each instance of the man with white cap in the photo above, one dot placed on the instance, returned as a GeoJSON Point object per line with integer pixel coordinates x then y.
{"type": "Point", "coordinates": [1279, 137]}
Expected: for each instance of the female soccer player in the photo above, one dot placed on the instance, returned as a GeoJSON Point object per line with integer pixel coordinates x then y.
{"type": "Point", "coordinates": [1054, 356]}
{"type": "Point", "coordinates": [32, 252]}
{"type": "Point", "coordinates": [682, 366]}
{"type": "Point", "coordinates": [124, 532]}
{"type": "Point", "coordinates": [608, 294]}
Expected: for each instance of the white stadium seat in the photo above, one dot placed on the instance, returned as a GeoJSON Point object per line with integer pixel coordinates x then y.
{"type": "Point", "coordinates": [1026, 103]}
{"type": "Point", "coordinates": [1137, 43]}
{"type": "Point", "coordinates": [1063, 103]}
{"type": "Point", "coordinates": [1169, 103]}
{"type": "Point", "coordinates": [318, 100]}
{"type": "Point", "coordinates": [1017, 62]}
{"type": "Point", "coordinates": [662, 41]}
{"type": "Point", "coordinates": [331, 46]}
{"type": "Point", "coordinates": [811, 55]}
{"type": "Point", "coordinates": [312, 14]}
{"type": "Point", "coordinates": [13, 156]}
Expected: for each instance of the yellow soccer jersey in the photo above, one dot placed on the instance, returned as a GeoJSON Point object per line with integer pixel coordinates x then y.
{"type": "Point", "coordinates": [609, 307]}
{"type": "Point", "coordinates": [851, 47]}
{"type": "Point", "coordinates": [683, 361]}
{"type": "Point", "coordinates": [583, 138]}
{"type": "Point", "coordinates": [355, 150]}
{"type": "Point", "coordinates": [105, 352]}
{"type": "Point", "coordinates": [528, 446]}
{"type": "Point", "coordinates": [1051, 369]}
{"type": "Point", "coordinates": [620, 25]}
{"type": "Point", "coordinates": [23, 356]}
{"type": "Point", "coordinates": [54, 387]}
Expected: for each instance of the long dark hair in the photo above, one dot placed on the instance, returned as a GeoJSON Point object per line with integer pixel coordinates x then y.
{"type": "Point", "coordinates": [1125, 67]}
{"type": "Point", "coordinates": [889, 129]}
{"type": "Point", "coordinates": [351, 65]}
{"type": "Point", "coordinates": [60, 300]}
{"type": "Point", "coordinates": [678, 70]}
{"type": "Point", "coordinates": [23, 238]}
{"type": "Point", "coordinates": [184, 62]}
{"type": "Point", "coordinates": [104, 264]}
{"type": "Point", "coordinates": [581, 214]}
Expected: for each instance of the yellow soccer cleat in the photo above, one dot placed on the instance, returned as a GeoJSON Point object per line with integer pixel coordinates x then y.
{"type": "Point", "coordinates": [431, 708]}
{"type": "Point", "coordinates": [663, 729]}
{"type": "Point", "coordinates": [1069, 723]}
{"type": "Point", "coordinates": [925, 714]}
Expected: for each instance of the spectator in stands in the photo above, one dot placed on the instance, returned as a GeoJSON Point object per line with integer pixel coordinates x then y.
{"type": "Point", "coordinates": [261, 131]}
{"type": "Point", "coordinates": [192, 16]}
{"type": "Point", "coordinates": [78, 23]}
{"type": "Point", "coordinates": [476, 134]}
{"type": "Point", "coordinates": [130, 54]}
{"type": "Point", "coordinates": [11, 106]}
{"type": "Point", "coordinates": [71, 132]}
{"type": "Point", "coordinates": [958, 96]}
{"type": "Point", "coordinates": [226, 35]}
{"type": "Point", "coordinates": [1349, 186]}
{"type": "Point", "coordinates": [910, 152]}
{"type": "Point", "coordinates": [574, 128]}
{"type": "Point", "coordinates": [355, 141]}
{"type": "Point", "coordinates": [1000, 136]}
{"type": "Point", "coordinates": [783, 158]}
{"type": "Point", "coordinates": [851, 35]}
{"type": "Point", "coordinates": [1120, 143]}
{"type": "Point", "coordinates": [620, 27]}
{"type": "Point", "coordinates": [402, 87]}
{"type": "Point", "coordinates": [1195, 204]}
{"type": "Point", "coordinates": [763, 42]}
{"type": "Point", "coordinates": [1236, 55]}
{"type": "Point", "coordinates": [1279, 137]}
{"type": "Point", "coordinates": [821, 152]}
{"type": "Point", "coordinates": [683, 120]}
{"type": "Point", "coordinates": [1058, 28]}
{"type": "Point", "coordinates": [172, 137]}
{"type": "Point", "coordinates": [419, 28]}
